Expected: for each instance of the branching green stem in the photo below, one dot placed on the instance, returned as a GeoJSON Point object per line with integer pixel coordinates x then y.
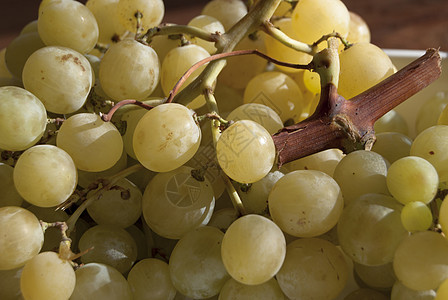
{"type": "Point", "coordinates": [170, 29]}
{"type": "Point", "coordinates": [283, 38]}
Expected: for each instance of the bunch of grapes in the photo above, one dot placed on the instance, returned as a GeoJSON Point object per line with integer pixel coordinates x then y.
{"type": "Point", "coordinates": [139, 159]}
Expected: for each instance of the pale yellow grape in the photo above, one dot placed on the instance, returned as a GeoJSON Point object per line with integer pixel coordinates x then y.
{"type": "Point", "coordinates": [223, 218]}
{"type": "Point", "coordinates": [412, 178]}
{"type": "Point", "coordinates": [22, 237]}
{"type": "Point", "coordinates": [111, 245]}
{"type": "Point", "coordinates": [149, 279]}
{"type": "Point", "coordinates": [233, 290]}
{"type": "Point", "coordinates": [23, 119]}
{"type": "Point", "coordinates": [166, 137]}
{"type": "Point", "coordinates": [416, 216]}
{"type": "Point", "coordinates": [131, 118]}
{"type": "Point", "coordinates": [313, 269]}
{"type": "Point", "coordinates": [129, 70]}
{"type": "Point", "coordinates": [176, 62]}
{"type": "Point", "coordinates": [45, 175]}
{"type": "Point", "coordinates": [253, 249]}
{"type": "Point", "coordinates": [260, 113]}
{"type": "Point", "coordinates": [391, 121]}
{"type": "Point", "coordinates": [245, 151]}
{"type": "Point", "coordinates": [30, 27]}
{"type": "Point", "coordinates": [361, 172]}
{"type": "Point", "coordinates": [105, 12]}
{"type": "Point", "coordinates": [311, 19]}
{"type": "Point", "coordinates": [380, 277]}
{"type": "Point", "coordinates": [362, 66]}
{"type": "Point", "coordinates": [277, 50]}
{"type": "Point", "coordinates": [324, 161]}
{"type": "Point", "coordinates": [431, 110]}
{"type": "Point", "coordinates": [93, 144]}
{"type": "Point", "coordinates": [311, 81]}
{"type": "Point", "coordinates": [196, 267]}
{"type": "Point", "coordinates": [278, 91]}
{"type": "Point", "coordinates": [9, 195]}
{"type": "Point", "coordinates": [100, 282]}
{"type": "Point", "coordinates": [175, 203]}
{"type": "Point", "coordinates": [47, 277]}
{"type": "Point", "coordinates": [228, 12]}
{"type": "Point", "coordinates": [305, 203]}
{"type": "Point", "coordinates": [69, 24]}
{"type": "Point", "coordinates": [18, 51]}
{"type": "Point", "coordinates": [401, 292]}
{"type": "Point", "coordinates": [45, 3]}
{"type": "Point", "coordinates": [370, 229]}
{"type": "Point", "coordinates": [443, 216]}
{"type": "Point", "coordinates": [358, 29]}
{"type": "Point", "coordinates": [209, 24]}
{"type": "Point", "coordinates": [60, 77]}
{"type": "Point", "coordinates": [392, 145]}
{"type": "Point", "coordinates": [162, 44]}
{"type": "Point", "coordinates": [431, 144]}
{"type": "Point", "coordinates": [152, 13]}
{"type": "Point", "coordinates": [442, 291]}
{"type": "Point", "coordinates": [4, 72]}
{"type": "Point", "coordinates": [10, 284]}
{"type": "Point", "coordinates": [421, 260]}
{"type": "Point", "coordinates": [366, 294]}
{"type": "Point", "coordinates": [140, 240]}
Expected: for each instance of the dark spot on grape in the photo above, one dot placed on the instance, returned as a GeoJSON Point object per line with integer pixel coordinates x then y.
{"type": "Point", "coordinates": [431, 153]}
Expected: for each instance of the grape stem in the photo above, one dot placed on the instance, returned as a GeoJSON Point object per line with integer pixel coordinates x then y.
{"type": "Point", "coordinates": [65, 252]}
{"type": "Point", "coordinates": [107, 117]}
{"type": "Point", "coordinates": [172, 29]}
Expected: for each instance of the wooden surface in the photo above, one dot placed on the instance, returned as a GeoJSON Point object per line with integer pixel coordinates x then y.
{"type": "Point", "coordinates": [406, 24]}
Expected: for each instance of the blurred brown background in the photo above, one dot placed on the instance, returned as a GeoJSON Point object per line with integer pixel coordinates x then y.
{"type": "Point", "coordinates": [405, 24]}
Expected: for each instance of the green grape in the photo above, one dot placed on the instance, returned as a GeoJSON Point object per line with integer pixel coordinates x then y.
{"type": "Point", "coordinates": [22, 237]}
{"type": "Point", "coordinates": [166, 137]}
{"type": "Point", "coordinates": [112, 245]}
{"type": "Point", "coordinates": [10, 284]}
{"type": "Point", "coordinates": [442, 291]}
{"type": "Point", "coordinates": [416, 216]}
{"type": "Point", "coordinates": [93, 144]}
{"type": "Point", "coordinates": [228, 12]}
{"type": "Point", "coordinates": [47, 277]}
{"type": "Point", "coordinates": [23, 118]}
{"type": "Point", "coordinates": [421, 261]}
{"type": "Point", "coordinates": [431, 145]}
{"type": "Point", "coordinates": [365, 294]}
{"type": "Point", "coordinates": [131, 118]}
{"type": "Point", "coordinates": [412, 178]}
{"type": "Point", "coordinates": [105, 12]}
{"type": "Point", "coordinates": [392, 145]}
{"type": "Point", "coordinates": [278, 91]}
{"type": "Point", "coordinates": [9, 195]}
{"type": "Point", "coordinates": [150, 279]}
{"type": "Point", "coordinates": [253, 249]}
{"type": "Point", "coordinates": [311, 19]}
{"type": "Point", "coordinates": [443, 216]}
{"type": "Point", "coordinates": [380, 277]}
{"type": "Point", "coordinates": [362, 66]}
{"type": "Point", "coordinates": [223, 217]}
{"type": "Point", "coordinates": [370, 229]}
{"type": "Point", "coordinates": [311, 80]}
{"type": "Point", "coordinates": [245, 151]}
{"type": "Point", "coordinates": [305, 203]}
{"type": "Point", "coordinates": [361, 172]}
{"type": "Point", "coordinates": [152, 13]}
{"type": "Point", "coordinates": [324, 161]}
{"type": "Point", "coordinates": [175, 203]}
{"type": "Point", "coordinates": [69, 24]}
{"type": "Point", "coordinates": [60, 77]}
{"type": "Point", "coordinates": [196, 267]}
{"type": "Point", "coordinates": [209, 24]}
{"type": "Point", "coordinates": [4, 72]}
{"type": "Point", "coordinates": [45, 175]}
{"type": "Point", "coordinates": [401, 292]}
{"type": "Point", "coordinates": [129, 70]}
{"type": "Point", "coordinates": [430, 112]}
{"type": "Point", "coordinates": [358, 29]}
{"type": "Point", "coordinates": [313, 269]}
{"type": "Point", "coordinates": [391, 121]}
{"type": "Point", "coordinates": [140, 240]}
{"type": "Point", "coordinates": [232, 289]}
{"type": "Point", "coordinates": [163, 44]}
{"type": "Point", "coordinates": [18, 51]}
{"type": "Point", "coordinates": [30, 27]}
{"type": "Point", "coordinates": [101, 282]}
{"type": "Point", "coordinates": [260, 113]}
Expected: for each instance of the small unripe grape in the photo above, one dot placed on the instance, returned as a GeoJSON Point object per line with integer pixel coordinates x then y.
{"type": "Point", "coordinates": [416, 216]}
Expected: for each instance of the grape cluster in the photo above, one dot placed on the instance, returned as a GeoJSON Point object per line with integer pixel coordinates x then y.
{"type": "Point", "coordinates": [183, 199]}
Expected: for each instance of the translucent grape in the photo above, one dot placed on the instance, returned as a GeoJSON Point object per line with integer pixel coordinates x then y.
{"type": "Point", "coordinates": [166, 137]}
{"type": "Point", "coordinates": [196, 267]}
{"type": "Point", "coordinates": [69, 24]}
{"type": "Point", "coordinates": [265, 291]}
{"type": "Point", "coordinates": [430, 112]}
{"type": "Point", "coordinates": [358, 29]}
{"type": "Point", "coordinates": [391, 121]}
{"type": "Point", "coordinates": [23, 119]}
{"type": "Point", "coordinates": [129, 70]}
{"type": "Point", "coordinates": [45, 175]}
{"type": "Point", "coordinates": [416, 216]}
{"type": "Point", "coordinates": [305, 203]}
{"type": "Point", "coordinates": [380, 277]}
{"type": "Point", "coordinates": [100, 281]}
{"type": "Point", "coordinates": [150, 279]}
{"type": "Point", "coordinates": [30, 27]}
{"type": "Point", "coordinates": [60, 77]}
{"type": "Point", "coordinates": [152, 13]}
{"type": "Point", "coordinates": [140, 240]}
{"type": "Point", "coordinates": [131, 118]}
{"type": "Point", "coordinates": [228, 12]}
{"type": "Point", "coordinates": [47, 277]}
{"type": "Point", "coordinates": [105, 12]}
{"type": "Point", "coordinates": [442, 291]}
{"type": "Point", "coordinates": [260, 113]}
{"type": "Point", "coordinates": [366, 293]}
{"type": "Point", "coordinates": [175, 203]}
{"type": "Point", "coordinates": [10, 284]}
{"type": "Point", "coordinates": [209, 24]}
{"type": "Point", "coordinates": [415, 268]}
{"type": "Point", "coordinates": [443, 216]}
{"type": "Point", "coordinates": [307, 260]}
{"type": "Point", "coordinates": [401, 292]}
{"type": "Point", "coordinates": [223, 218]}
{"type": "Point", "coordinates": [324, 161]}
{"type": "Point", "coordinates": [392, 145]}
{"type": "Point", "coordinates": [245, 151]}
{"type": "Point", "coordinates": [253, 249]}
{"type": "Point", "coordinates": [22, 237]}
